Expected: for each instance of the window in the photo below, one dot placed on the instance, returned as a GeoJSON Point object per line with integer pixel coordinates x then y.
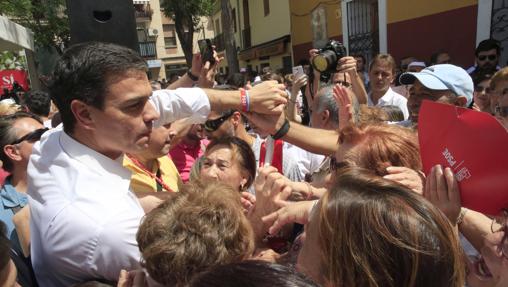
{"type": "Point", "coordinates": [169, 42]}
{"type": "Point", "coordinates": [168, 27]}
{"type": "Point", "coordinates": [266, 5]}
{"type": "Point", "coordinates": [233, 14]}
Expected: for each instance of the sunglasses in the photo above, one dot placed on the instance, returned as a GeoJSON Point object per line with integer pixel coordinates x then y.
{"type": "Point", "coordinates": [213, 125]}
{"type": "Point", "coordinates": [501, 111]}
{"type": "Point", "coordinates": [490, 57]}
{"type": "Point", "coordinates": [500, 224]}
{"type": "Point", "coordinates": [31, 136]}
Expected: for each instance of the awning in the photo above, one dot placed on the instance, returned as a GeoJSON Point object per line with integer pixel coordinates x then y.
{"type": "Point", "coordinates": [141, 1]}
{"type": "Point", "coordinates": [14, 37]}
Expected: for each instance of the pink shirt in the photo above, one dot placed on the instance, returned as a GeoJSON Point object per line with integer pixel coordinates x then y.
{"type": "Point", "coordinates": [184, 156]}
{"type": "Point", "coordinates": [3, 175]}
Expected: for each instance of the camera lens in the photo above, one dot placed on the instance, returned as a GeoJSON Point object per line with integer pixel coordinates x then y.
{"type": "Point", "coordinates": [324, 61]}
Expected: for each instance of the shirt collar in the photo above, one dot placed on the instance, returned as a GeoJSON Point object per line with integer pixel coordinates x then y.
{"type": "Point", "coordinates": [387, 97]}
{"type": "Point", "coordinates": [10, 197]}
{"type": "Point", "coordinates": [94, 160]}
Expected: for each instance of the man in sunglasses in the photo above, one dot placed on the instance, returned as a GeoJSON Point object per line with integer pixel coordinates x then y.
{"type": "Point", "coordinates": [486, 57]}
{"type": "Point", "coordinates": [18, 133]}
{"type": "Point", "coordinates": [84, 215]}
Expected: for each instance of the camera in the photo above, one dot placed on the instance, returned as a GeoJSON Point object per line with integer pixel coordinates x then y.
{"type": "Point", "coordinates": [326, 60]}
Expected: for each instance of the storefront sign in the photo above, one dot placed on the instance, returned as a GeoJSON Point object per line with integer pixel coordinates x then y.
{"type": "Point", "coordinates": [154, 63]}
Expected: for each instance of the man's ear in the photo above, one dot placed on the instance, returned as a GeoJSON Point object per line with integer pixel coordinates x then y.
{"type": "Point", "coordinates": [12, 152]}
{"type": "Point", "coordinates": [461, 101]}
{"type": "Point", "coordinates": [81, 112]}
{"type": "Point", "coordinates": [325, 116]}
{"type": "Point", "coordinates": [236, 119]}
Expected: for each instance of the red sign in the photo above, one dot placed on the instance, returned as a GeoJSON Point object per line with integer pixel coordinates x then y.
{"type": "Point", "coordinates": [8, 77]}
{"type": "Point", "coordinates": [473, 144]}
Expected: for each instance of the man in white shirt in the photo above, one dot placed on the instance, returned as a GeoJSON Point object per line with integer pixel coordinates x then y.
{"type": "Point", "coordinates": [84, 218]}
{"type": "Point", "coordinates": [381, 76]}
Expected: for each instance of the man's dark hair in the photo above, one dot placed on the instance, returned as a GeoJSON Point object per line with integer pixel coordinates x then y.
{"type": "Point", "coordinates": [84, 72]}
{"type": "Point", "coordinates": [361, 56]}
{"type": "Point", "coordinates": [433, 57]}
{"type": "Point", "coordinates": [251, 273]}
{"type": "Point", "coordinates": [8, 135]}
{"type": "Point", "coordinates": [38, 102]}
{"type": "Point", "coordinates": [482, 76]}
{"type": "Point", "coordinates": [487, 45]}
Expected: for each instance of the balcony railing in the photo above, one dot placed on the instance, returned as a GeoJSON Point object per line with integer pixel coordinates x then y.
{"type": "Point", "coordinates": [246, 38]}
{"type": "Point", "coordinates": [218, 41]}
{"type": "Point", "coordinates": [147, 49]}
{"type": "Point", "coordinates": [143, 12]}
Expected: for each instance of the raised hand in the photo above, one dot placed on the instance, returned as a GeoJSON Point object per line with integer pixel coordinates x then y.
{"type": "Point", "coordinates": [268, 97]}
{"type": "Point", "coordinates": [344, 104]}
{"type": "Point", "coordinates": [441, 188]}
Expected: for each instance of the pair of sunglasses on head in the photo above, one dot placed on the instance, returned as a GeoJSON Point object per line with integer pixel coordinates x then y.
{"type": "Point", "coordinates": [31, 136]}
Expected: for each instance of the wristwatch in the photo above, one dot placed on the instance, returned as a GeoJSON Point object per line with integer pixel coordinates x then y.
{"type": "Point", "coordinates": [191, 76]}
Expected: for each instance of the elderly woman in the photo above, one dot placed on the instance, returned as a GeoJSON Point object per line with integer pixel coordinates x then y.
{"type": "Point", "coordinates": [231, 161]}
{"type": "Point", "coordinates": [198, 228]}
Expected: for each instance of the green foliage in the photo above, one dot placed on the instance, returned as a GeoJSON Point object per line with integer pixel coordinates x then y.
{"type": "Point", "coordinates": [11, 61]}
{"type": "Point", "coordinates": [46, 18]}
{"type": "Point", "coordinates": [190, 10]}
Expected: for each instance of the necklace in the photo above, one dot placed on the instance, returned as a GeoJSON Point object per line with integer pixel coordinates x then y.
{"type": "Point", "coordinates": [157, 177]}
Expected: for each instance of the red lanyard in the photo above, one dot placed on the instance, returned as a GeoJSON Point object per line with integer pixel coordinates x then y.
{"type": "Point", "coordinates": [151, 174]}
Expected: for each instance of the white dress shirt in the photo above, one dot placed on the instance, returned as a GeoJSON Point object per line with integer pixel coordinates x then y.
{"type": "Point", "coordinates": [391, 98]}
{"type": "Point", "coordinates": [84, 218]}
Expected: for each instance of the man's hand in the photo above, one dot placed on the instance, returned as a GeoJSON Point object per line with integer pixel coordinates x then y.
{"type": "Point", "coordinates": [344, 105]}
{"type": "Point", "coordinates": [347, 65]}
{"type": "Point", "coordinates": [208, 71]}
{"type": "Point", "coordinates": [197, 64]}
{"type": "Point", "coordinates": [265, 124]}
{"type": "Point", "coordinates": [268, 97]}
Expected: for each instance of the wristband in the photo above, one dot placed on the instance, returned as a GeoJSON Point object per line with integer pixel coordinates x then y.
{"type": "Point", "coordinates": [191, 76]}
{"type": "Point", "coordinates": [245, 100]}
{"type": "Point", "coordinates": [282, 131]}
{"type": "Point", "coordinates": [247, 96]}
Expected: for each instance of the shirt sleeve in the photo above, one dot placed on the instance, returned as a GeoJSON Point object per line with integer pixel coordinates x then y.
{"type": "Point", "coordinates": [172, 105]}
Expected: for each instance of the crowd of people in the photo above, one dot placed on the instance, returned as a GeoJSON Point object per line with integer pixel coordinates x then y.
{"type": "Point", "coordinates": [311, 179]}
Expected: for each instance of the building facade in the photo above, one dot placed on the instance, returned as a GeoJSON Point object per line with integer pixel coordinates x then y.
{"type": "Point", "coordinates": [399, 27]}
{"type": "Point", "coordinates": [158, 41]}
{"type": "Point", "coordinates": [262, 34]}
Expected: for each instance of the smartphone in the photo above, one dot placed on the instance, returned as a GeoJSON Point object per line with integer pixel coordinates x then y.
{"type": "Point", "coordinates": [206, 50]}
{"type": "Point", "coordinates": [298, 72]}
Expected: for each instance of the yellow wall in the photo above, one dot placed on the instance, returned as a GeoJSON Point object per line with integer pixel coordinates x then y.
{"type": "Point", "coordinates": [400, 10]}
{"type": "Point", "coordinates": [270, 27]}
{"type": "Point", "coordinates": [301, 30]}
{"type": "Point", "coordinates": [239, 24]}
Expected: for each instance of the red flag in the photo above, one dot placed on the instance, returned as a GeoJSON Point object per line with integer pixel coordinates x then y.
{"type": "Point", "coordinates": [8, 77]}
{"type": "Point", "coordinates": [473, 144]}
